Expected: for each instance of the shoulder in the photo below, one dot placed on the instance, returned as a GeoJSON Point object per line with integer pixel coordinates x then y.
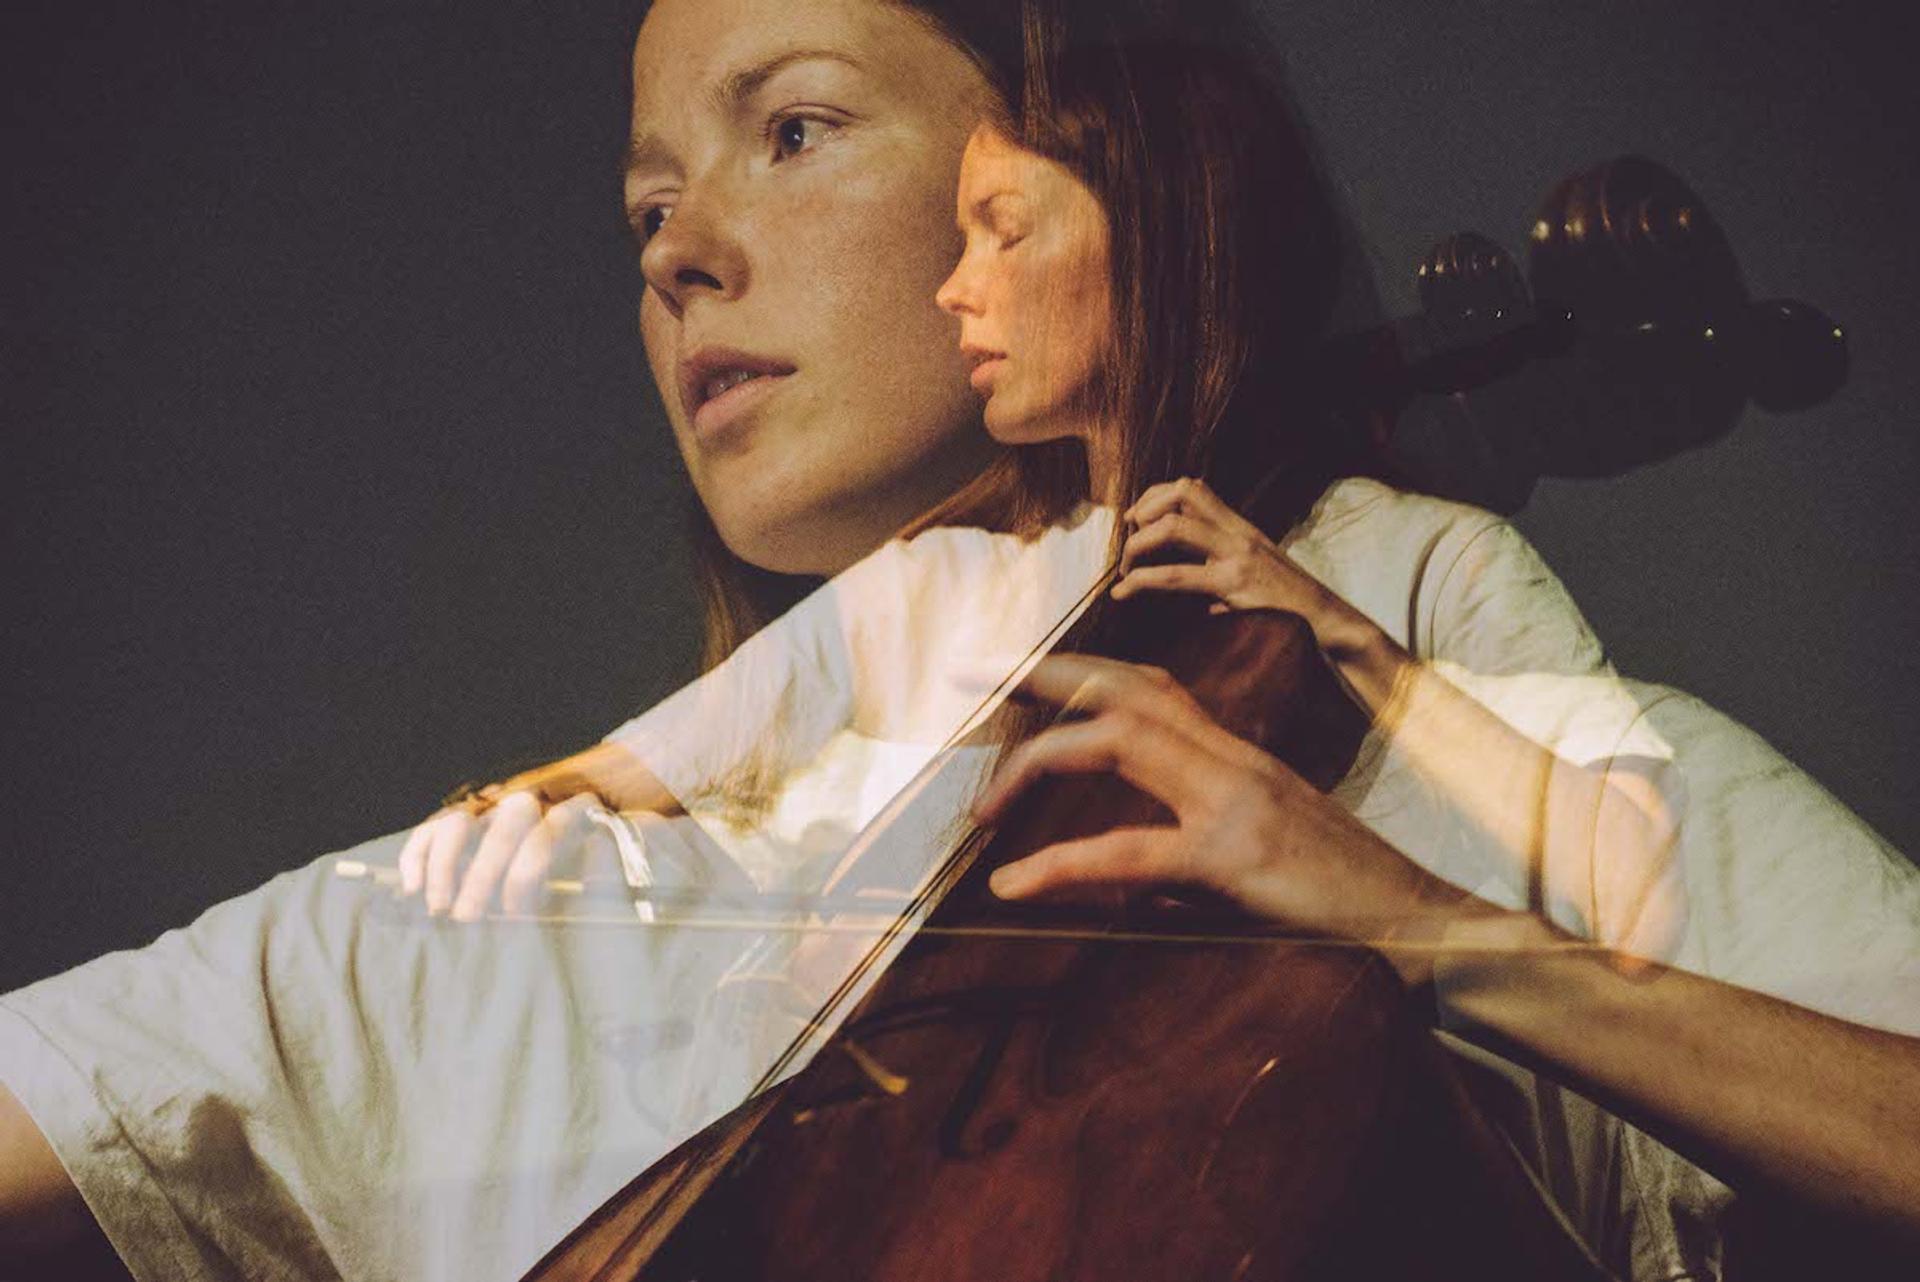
{"type": "Point", "coordinates": [1083, 537]}
{"type": "Point", "coordinates": [927, 616]}
{"type": "Point", "coordinates": [1445, 579]}
{"type": "Point", "coordinates": [1364, 535]}
{"type": "Point", "coordinates": [946, 565]}
{"type": "Point", "coordinates": [1363, 500]}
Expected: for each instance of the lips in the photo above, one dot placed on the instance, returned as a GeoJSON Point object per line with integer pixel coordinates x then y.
{"type": "Point", "coordinates": [985, 363]}
{"type": "Point", "coordinates": [717, 384]}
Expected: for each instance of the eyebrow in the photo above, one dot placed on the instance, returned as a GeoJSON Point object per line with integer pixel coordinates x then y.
{"type": "Point", "coordinates": [645, 150]}
{"type": "Point", "coordinates": [981, 210]}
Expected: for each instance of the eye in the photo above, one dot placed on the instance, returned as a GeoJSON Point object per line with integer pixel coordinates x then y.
{"type": "Point", "coordinates": [647, 220]}
{"type": "Point", "coordinates": [789, 135]}
{"type": "Point", "coordinates": [1007, 221]}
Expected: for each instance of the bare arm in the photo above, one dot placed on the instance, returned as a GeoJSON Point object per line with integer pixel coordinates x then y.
{"type": "Point", "coordinates": [502, 839]}
{"type": "Point", "coordinates": [607, 770]}
{"type": "Point", "coordinates": [1765, 1093]}
{"type": "Point", "coordinates": [46, 1230]}
{"type": "Point", "coordinates": [1762, 1092]}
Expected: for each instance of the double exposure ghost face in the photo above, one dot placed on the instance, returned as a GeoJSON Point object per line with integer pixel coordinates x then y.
{"type": "Point", "coordinates": [1031, 291]}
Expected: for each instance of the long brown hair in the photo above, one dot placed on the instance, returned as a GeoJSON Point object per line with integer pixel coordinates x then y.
{"type": "Point", "coordinates": [1224, 264]}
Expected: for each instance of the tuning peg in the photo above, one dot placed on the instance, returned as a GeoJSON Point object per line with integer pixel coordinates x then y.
{"type": "Point", "coordinates": [1471, 290]}
{"type": "Point", "coordinates": [1795, 355]}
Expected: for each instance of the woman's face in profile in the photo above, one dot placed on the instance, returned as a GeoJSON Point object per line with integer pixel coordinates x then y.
{"type": "Point", "coordinates": [1032, 290]}
{"type": "Point", "coordinates": [790, 182]}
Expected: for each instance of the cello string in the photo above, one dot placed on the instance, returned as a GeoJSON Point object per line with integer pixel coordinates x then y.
{"type": "Point", "coordinates": [848, 924]}
{"type": "Point", "coordinates": [967, 850]}
{"type": "Point", "coordinates": [954, 866]}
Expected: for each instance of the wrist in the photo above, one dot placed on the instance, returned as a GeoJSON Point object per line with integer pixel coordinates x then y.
{"type": "Point", "coordinates": [1505, 973]}
{"type": "Point", "coordinates": [1419, 944]}
{"type": "Point", "coordinates": [556, 781]}
{"type": "Point", "coordinates": [1345, 635]}
{"type": "Point", "coordinates": [1377, 671]}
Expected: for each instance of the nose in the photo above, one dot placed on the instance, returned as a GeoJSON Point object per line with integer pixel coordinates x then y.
{"type": "Point", "coordinates": [959, 294]}
{"type": "Point", "coordinates": [694, 253]}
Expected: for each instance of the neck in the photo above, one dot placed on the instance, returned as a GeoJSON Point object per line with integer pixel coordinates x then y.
{"type": "Point", "coordinates": [1103, 464]}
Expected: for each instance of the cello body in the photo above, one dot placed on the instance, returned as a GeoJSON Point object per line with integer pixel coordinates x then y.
{"type": "Point", "coordinates": [1194, 1097]}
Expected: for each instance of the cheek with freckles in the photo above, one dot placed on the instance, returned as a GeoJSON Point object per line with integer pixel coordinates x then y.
{"type": "Point", "coordinates": [858, 262]}
{"type": "Point", "coordinates": [880, 422]}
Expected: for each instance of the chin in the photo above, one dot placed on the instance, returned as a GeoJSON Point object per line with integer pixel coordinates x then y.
{"type": "Point", "coordinates": [790, 538]}
{"type": "Point", "coordinates": [779, 546]}
{"type": "Point", "coordinates": [1017, 424]}
{"type": "Point", "coordinates": [767, 513]}
{"type": "Point", "coordinates": [784, 555]}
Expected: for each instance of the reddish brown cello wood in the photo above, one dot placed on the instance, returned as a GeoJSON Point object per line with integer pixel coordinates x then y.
{"type": "Point", "coordinates": [1251, 1108]}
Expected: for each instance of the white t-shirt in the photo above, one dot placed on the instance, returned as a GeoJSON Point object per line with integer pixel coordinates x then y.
{"type": "Point", "coordinates": [1780, 888]}
{"type": "Point", "coordinates": [848, 719]}
{"type": "Point", "coordinates": [1737, 895]}
{"type": "Point", "coordinates": [829, 710]}
{"type": "Point", "coordinates": [1783, 890]}
{"type": "Point", "coordinates": [304, 1083]}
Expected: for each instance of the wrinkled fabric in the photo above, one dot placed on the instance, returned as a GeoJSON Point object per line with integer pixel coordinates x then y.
{"type": "Point", "coordinates": [312, 1082]}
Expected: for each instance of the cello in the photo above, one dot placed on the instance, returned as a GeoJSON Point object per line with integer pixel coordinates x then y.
{"type": "Point", "coordinates": [1149, 1090]}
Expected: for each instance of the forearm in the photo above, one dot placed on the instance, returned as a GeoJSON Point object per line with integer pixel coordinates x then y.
{"type": "Point", "coordinates": [1557, 822]}
{"type": "Point", "coordinates": [607, 769]}
{"type": "Point", "coordinates": [1764, 1093]}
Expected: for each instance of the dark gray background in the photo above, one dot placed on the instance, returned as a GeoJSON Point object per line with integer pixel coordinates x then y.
{"type": "Point", "coordinates": [332, 474]}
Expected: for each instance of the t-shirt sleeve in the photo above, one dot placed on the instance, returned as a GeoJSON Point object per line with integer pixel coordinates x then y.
{"type": "Point", "coordinates": [1604, 870]}
{"type": "Point", "coordinates": [773, 702]}
{"type": "Point", "coordinates": [1789, 892]}
{"type": "Point", "coordinates": [1497, 608]}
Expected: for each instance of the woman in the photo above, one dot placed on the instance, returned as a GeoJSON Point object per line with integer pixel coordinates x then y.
{"type": "Point", "coordinates": [1047, 220]}
{"type": "Point", "coordinates": [291, 1088]}
{"type": "Point", "coordinates": [1778, 1095]}
{"type": "Point", "coordinates": [1268, 270]}
{"type": "Point", "coordinates": [709, 298]}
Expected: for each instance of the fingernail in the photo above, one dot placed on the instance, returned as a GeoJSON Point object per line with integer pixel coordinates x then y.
{"type": "Point", "coordinates": [1011, 882]}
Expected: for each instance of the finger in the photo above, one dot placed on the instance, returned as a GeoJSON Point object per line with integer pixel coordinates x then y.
{"type": "Point", "coordinates": [527, 873]}
{"type": "Point", "coordinates": [413, 855]}
{"type": "Point", "coordinates": [443, 858]}
{"type": "Point", "coordinates": [1119, 856]}
{"type": "Point", "coordinates": [1210, 579]}
{"type": "Point", "coordinates": [1092, 684]}
{"type": "Point", "coordinates": [511, 820]}
{"type": "Point", "coordinates": [1196, 498]}
{"type": "Point", "coordinates": [1177, 530]}
{"type": "Point", "coordinates": [1097, 685]}
{"type": "Point", "coordinates": [1167, 765]}
{"type": "Point", "coordinates": [1153, 501]}
{"type": "Point", "coordinates": [1199, 499]}
{"type": "Point", "coordinates": [1168, 496]}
